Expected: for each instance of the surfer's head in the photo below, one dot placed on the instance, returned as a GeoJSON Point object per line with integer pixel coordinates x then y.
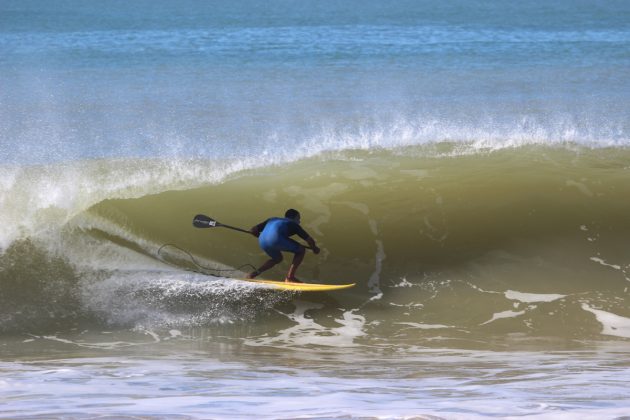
{"type": "Point", "coordinates": [293, 214]}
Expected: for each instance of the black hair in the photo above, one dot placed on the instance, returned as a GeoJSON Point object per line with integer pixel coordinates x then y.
{"type": "Point", "coordinates": [291, 214]}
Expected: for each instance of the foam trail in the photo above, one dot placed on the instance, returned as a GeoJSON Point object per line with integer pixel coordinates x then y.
{"type": "Point", "coordinates": [307, 332]}
{"type": "Point", "coordinates": [162, 299]}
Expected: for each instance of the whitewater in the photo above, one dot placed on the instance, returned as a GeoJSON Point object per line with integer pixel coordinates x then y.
{"type": "Point", "coordinates": [467, 164]}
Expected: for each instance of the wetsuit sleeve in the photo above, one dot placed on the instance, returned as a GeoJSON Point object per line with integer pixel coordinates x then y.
{"type": "Point", "coordinates": [297, 230]}
{"type": "Point", "coordinates": [257, 230]}
{"type": "Point", "coordinates": [261, 226]}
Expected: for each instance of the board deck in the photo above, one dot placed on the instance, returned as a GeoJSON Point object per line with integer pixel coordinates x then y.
{"type": "Point", "coordinates": [301, 287]}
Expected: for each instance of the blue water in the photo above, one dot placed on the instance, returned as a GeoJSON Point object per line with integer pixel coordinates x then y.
{"type": "Point", "coordinates": [194, 79]}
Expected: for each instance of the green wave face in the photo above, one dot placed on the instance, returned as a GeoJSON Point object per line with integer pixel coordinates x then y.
{"type": "Point", "coordinates": [408, 213]}
{"type": "Point", "coordinates": [525, 240]}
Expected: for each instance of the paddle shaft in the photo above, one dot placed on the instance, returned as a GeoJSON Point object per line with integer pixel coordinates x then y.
{"type": "Point", "coordinates": [233, 228]}
{"type": "Point", "coordinates": [202, 221]}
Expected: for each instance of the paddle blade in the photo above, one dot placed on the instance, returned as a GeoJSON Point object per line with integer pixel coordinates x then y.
{"type": "Point", "coordinates": [203, 221]}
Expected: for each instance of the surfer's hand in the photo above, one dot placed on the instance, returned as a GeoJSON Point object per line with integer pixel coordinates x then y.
{"type": "Point", "coordinates": [316, 249]}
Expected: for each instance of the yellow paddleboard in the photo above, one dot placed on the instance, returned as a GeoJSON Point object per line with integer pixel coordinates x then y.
{"type": "Point", "coordinates": [302, 287]}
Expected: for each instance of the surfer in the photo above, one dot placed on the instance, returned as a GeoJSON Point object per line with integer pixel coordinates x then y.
{"type": "Point", "coordinates": [274, 238]}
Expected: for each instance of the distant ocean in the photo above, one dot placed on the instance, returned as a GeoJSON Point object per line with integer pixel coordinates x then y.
{"type": "Point", "coordinates": [466, 163]}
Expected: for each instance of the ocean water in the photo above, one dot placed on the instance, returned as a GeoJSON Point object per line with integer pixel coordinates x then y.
{"type": "Point", "coordinates": [466, 163]}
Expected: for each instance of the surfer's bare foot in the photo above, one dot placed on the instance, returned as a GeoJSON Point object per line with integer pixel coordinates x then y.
{"type": "Point", "coordinates": [252, 275]}
{"type": "Point", "coordinates": [293, 280]}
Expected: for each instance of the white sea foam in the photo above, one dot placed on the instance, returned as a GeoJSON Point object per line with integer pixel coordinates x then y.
{"type": "Point", "coordinates": [605, 264]}
{"type": "Point", "coordinates": [502, 315]}
{"type": "Point", "coordinates": [425, 383]}
{"type": "Point", "coordinates": [403, 283]}
{"type": "Point", "coordinates": [424, 326]}
{"type": "Point", "coordinates": [307, 332]}
{"type": "Point", "coordinates": [532, 297]}
{"type": "Point", "coordinates": [165, 298]}
{"type": "Point", "coordinates": [612, 324]}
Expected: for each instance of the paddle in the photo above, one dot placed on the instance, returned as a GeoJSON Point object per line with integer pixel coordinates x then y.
{"type": "Point", "coordinates": [202, 221]}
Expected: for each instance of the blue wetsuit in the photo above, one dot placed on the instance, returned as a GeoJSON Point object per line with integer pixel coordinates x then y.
{"type": "Point", "coordinates": [274, 236]}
